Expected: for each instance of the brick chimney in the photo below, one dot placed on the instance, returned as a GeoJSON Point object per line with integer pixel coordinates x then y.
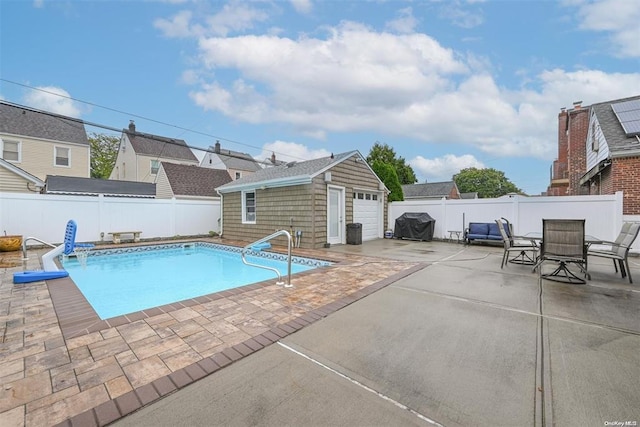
{"type": "Point", "coordinates": [132, 126]}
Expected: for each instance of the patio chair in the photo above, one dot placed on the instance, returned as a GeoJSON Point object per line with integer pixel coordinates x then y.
{"type": "Point", "coordinates": [619, 249]}
{"type": "Point", "coordinates": [563, 242]}
{"type": "Point", "coordinates": [527, 251]}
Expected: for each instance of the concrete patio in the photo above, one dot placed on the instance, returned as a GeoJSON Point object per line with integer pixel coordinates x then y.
{"type": "Point", "coordinates": [434, 334]}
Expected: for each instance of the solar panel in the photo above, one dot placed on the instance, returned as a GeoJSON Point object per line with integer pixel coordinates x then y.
{"type": "Point", "coordinates": [628, 114]}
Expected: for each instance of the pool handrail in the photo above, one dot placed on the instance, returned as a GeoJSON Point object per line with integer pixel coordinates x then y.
{"type": "Point", "coordinates": [266, 239]}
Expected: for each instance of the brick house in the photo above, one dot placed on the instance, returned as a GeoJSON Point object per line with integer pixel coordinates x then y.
{"type": "Point", "coordinates": [599, 151]}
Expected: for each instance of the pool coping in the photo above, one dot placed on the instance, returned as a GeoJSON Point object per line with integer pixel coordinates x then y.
{"type": "Point", "coordinates": [123, 405]}
{"type": "Point", "coordinates": [77, 317]}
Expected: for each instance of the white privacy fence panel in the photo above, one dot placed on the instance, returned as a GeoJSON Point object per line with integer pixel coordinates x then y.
{"type": "Point", "coordinates": [603, 214]}
{"type": "Point", "coordinates": [45, 216]}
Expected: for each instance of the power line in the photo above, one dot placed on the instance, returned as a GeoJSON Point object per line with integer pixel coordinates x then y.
{"type": "Point", "coordinates": [129, 114]}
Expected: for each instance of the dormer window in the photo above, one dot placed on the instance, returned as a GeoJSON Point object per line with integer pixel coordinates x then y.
{"type": "Point", "coordinates": [155, 166]}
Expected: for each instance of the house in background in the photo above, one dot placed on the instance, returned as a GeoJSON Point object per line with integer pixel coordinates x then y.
{"type": "Point", "coordinates": [37, 144]}
{"type": "Point", "coordinates": [237, 164]}
{"type": "Point", "coordinates": [431, 190]}
{"type": "Point", "coordinates": [15, 180]}
{"type": "Point", "coordinates": [599, 151]}
{"type": "Point", "coordinates": [317, 198]}
{"type": "Point", "coordinates": [471, 195]}
{"type": "Point", "coordinates": [189, 181]}
{"type": "Point", "coordinates": [140, 155]}
{"type": "Point", "coordinates": [74, 186]}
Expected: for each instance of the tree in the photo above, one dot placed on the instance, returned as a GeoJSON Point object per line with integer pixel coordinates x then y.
{"type": "Point", "coordinates": [487, 182]}
{"type": "Point", "coordinates": [388, 175]}
{"type": "Point", "coordinates": [104, 151]}
{"type": "Point", "coordinates": [386, 154]}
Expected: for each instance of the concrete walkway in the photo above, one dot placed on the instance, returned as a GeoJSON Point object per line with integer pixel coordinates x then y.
{"type": "Point", "coordinates": [458, 343]}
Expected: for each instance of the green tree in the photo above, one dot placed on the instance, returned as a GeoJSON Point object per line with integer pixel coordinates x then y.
{"type": "Point", "coordinates": [386, 154]}
{"type": "Point", "coordinates": [388, 175]}
{"type": "Point", "coordinates": [486, 182]}
{"type": "Point", "coordinates": [104, 151]}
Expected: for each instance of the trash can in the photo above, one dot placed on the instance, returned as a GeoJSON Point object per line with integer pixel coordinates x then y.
{"type": "Point", "coordinates": [354, 233]}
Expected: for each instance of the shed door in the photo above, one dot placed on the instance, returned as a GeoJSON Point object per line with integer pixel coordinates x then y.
{"type": "Point", "coordinates": [335, 215]}
{"type": "Point", "coordinates": [367, 210]}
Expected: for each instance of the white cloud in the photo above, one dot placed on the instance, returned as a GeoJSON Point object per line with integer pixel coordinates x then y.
{"type": "Point", "coordinates": [178, 26]}
{"type": "Point", "coordinates": [461, 16]}
{"type": "Point", "coordinates": [233, 17]}
{"type": "Point", "coordinates": [302, 6]}
{"type": "Point", "coordinates": [443, 168]}
{"type": "Point", "coordinates": [619, 18]}
{"type": "Point", "coordinates": [52, 99]}
{"type": "Point", "coordinates": [38, 4]}
{"type": "Point", "coordinates": [290, 151]}
{"type": "Point", "coordinates": [405, 22]}
{"type": "Point", "coordinates": [356, 79]}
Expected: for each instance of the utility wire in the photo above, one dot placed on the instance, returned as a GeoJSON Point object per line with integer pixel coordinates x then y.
{"type": "Point", "coordinates": [125, 113]}
{"type": "Point", "coordinates": [158, 138]}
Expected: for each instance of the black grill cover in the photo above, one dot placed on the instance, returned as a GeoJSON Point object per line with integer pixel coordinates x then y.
{"type": "Point", "coordinates": [414, 225]}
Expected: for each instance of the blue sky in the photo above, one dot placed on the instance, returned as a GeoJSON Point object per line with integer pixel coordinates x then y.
{"type": "Point", "coordinates": [447, 84]}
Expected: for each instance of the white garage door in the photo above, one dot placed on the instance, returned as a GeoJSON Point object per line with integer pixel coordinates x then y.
{"type": "Point", "coordinates": [366, 210]}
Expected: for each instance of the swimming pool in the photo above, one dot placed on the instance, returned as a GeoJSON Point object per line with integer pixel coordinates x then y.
{"type": "Point", "coordinates": [126, 280]}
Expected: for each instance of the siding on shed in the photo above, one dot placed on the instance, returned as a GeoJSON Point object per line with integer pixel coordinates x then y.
{"type": "Point", "coordinates": [305, 204]}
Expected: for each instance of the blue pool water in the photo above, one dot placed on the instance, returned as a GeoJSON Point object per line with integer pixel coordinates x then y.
{"type": "Point", "coordinates": [122, 281]}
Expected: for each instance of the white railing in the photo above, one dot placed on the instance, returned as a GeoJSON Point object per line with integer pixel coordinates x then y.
{"type": "Point", "coordinates": [255, 246]}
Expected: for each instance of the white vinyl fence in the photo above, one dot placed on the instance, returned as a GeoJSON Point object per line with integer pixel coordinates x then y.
{"type": "Point", "coordinates": [603, 214]}
{"type": "Point", "coordinates": [44, 216]}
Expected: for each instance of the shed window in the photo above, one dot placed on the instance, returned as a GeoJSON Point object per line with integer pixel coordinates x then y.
{"type": "Point", "coordinates": [10, 150]}
{"type": "Point", "coordinates": [62, 156]}
{"type": "Point", "coordinates": [249, 207]}
{"type": "Point", "coordinates": [238, 175]}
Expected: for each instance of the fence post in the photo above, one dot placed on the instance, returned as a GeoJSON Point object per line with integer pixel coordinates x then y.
{"type": "Point", "coordinates": [172, 217]}
{"type": "Point", "coordinates": [445, 225]}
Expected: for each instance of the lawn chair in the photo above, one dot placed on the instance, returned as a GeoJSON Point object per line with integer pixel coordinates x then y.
{"type": "Point", "coordinates": [619, 249]}
{"type": "Point", "coordinates": [527, 251]}
{"type": "Point", "coordinates": [563, 242]}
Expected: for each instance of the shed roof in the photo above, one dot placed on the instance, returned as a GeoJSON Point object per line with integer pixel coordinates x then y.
{"type": "Point", "coordinates": [25, 121]}
{"type": "Point", "coordinates": [292, 173]}
{"type": "Point", "coordinates": [93, 186]}
{"type": "Point", "coordinates": [191, 180]}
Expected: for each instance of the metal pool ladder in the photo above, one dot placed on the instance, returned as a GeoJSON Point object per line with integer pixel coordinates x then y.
{"type": "Point", "coordinates": [257, 248]}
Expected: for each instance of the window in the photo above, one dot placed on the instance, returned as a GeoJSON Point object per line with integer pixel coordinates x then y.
{"type": "Point", "coordinates": [249, 207]}
{"type": "Point", "coordinates": [155, 166]}
{"type": "Point", "coordinates": [62, 156]}
{"type": "Point", "coordinates": [367, 196]}
{"type": "Point", "coordinates": [10, 150]}
{"type": "Point", "coordinates": [595, 143]}
{"type": "Point", "coordinates": [360, 196]}
{"type": "Point", "coordinates": [374, 197]}
{"type": "Point", "coordinates": [238, 175]}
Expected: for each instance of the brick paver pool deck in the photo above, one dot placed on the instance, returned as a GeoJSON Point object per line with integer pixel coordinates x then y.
{"type": "Point", "coordinates": [60, 364]}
